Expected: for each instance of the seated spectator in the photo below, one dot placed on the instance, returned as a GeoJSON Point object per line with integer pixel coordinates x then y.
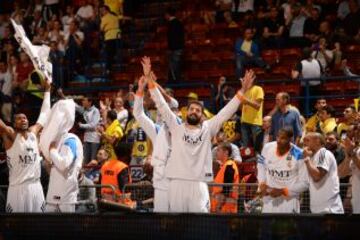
{"type": "Point", "coordinates": [296, 27]}
{"type": "Point", "coordinates": [351, 22]}
{"type": "Point", "coordinates": [111, 133]}
{"type": "Point", "coordinates": [349, 119]}
{"type": "Point", "coordinates": [93, 167]}
{"type": "Point", "coordinates": [273, 30]}
{"type": "Point", "coordinates": [327, 120]}
{"type": "Point", "coordinates": [311, 26]}
{"type": "Point", "coordinates": [220, 139]}
{"type": "Point", "coordinates": [324, 55]}
{"type": "Point", "coordinates": [247, 54]}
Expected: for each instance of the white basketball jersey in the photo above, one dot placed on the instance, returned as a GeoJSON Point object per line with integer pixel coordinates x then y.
{"type": "Point", "coordinates": [23, 159]}
{"type": "Point", "coordinates": [63, 184]}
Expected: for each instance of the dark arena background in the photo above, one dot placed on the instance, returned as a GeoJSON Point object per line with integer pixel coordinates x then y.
{"type": "Point", "coordinates": [305, 56]}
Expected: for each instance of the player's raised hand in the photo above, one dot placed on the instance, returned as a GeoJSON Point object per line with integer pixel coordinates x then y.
{"type": "Point", "coordinates": [142, 84]}
{"type": "Point", "coordinates": [248, 80]}
{"type": "Point", "coordinates": [153, 76]}
{"type": "Point", "coordinates": [47, 85]}
{"type": "Point", "coordinates": [146, 64]}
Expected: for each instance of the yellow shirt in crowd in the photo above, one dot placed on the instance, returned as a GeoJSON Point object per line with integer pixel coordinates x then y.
{"type": "Point", "coordinates": [249, 114]}
{"type": "Point", "coordinates": [110, 26]}
{"type": "Point", "coordinates": [116, 6]}
{"type": "Point", "coordinates": [114, 130]}
{"type": "Point", "coordinates": [328, 126]}
{"type": "Point", "coordinates": [311, 123]}
{"type": "Point", "coordinates": [246, 46]}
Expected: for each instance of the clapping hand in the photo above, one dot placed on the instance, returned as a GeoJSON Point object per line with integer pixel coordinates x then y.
{"type": "Point", "coordinates": [248, 80]}
{"type": "Point", "coordinates": [146, 64]}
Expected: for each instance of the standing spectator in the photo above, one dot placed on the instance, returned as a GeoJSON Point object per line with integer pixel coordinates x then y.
{"type": "Point", "coordinates": [23, 70]}
{"type": "Point", "coordinates": [311, 26]}
{"type": "Point", "coordinates": [5, 91]}
{"type": "Point", "coordinates": [351, 22]}
{"type": "Point", "coordinates": [176, 43]}
{"type": "Point", "coordinates": [323, 55]}
{"type": "Point", "coordinates": [68, 18]}
{"type": "Point", "coordinates": [349, 118]}
{"type": "Point", "coordinates": [251, 117]}
{"type": "Point", "coordinates": [110, 27]}
{"type": "Point", "coordinates": [296, 26]}
{"type": "Point", "coordinates": [247, 53]}
{"type": "Point", "coordinates": [73, 49]}
{"type": "Point", "coordinates": [85, 15]}
{"type": "Point", "coordinates": [285, 117]}
{"type": "Point", "coordinates": [273, 30]}
{"type": "Point", "coordinates": [121, 111]}
{"type": "Point", "coordinates": [111, 133]}
{"type": "Point", "coordinates": [323, 176]}
{"type": "Point", "coordinates": [313, 123]}
{"type": "Point", "coordinates": [36, 22]}
{"type": "Point", "coordinates": [327, 119]}
{"type": "Point", "coordinates": [91, 117]}
{"type": "Point", "coordinates": [308, 68]}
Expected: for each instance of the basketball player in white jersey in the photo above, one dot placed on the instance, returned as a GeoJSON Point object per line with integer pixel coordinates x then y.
{"type": "Point", "coordinates": [64, 151]}
{"type": "Point", "coordinates": [189, 166]}
{"type": "Point", "coordinates": [160, 138]}
{"type": "Point", "coordinates": [281, 174]}
{"type": "Point", "coordinates": [323, 176]}
{"type": "Point", "coordinates": [25, 193]}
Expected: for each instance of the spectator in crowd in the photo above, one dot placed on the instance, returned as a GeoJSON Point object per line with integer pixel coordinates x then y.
{"type": "Point", "coordinates": [220, 139]}
{"type": "Point", "coordinates": [111, 133]}
{"type": "Point", "coordinates": [326, 32]}
{"type": "Point", "coordinates": [311, 26]}
{"type": "Point", "coordinates": [242, 6]}
{"type": "Point", "coordinates": [229, 20]}
{"type": "Point", "coordinates": [73, 49]}
{"type": "Point", "coordinates": [327, 119]}
{"type": "Point", "coordinates": [251, 117]}
{"type": "Point", "coordinates": [176, 44]}
{"type": "Point", "coordinates": [296, 26]}
{"type": "Point", "coordinates": [36, 23]}
{"type": "Point", "coordinates": [273, 30]}
{"type": "Point", "coordinates": [343, 9]}
{"type": "Point", "coordinates": [247, 53]}
{"type": "Point", "coordinates": [222, 6]}
{"type": "Point", "coordinates": [6, 85]}
{"type": "Point", "coordinates": [266, 127]}
{"type": "Point", "coordinates": [68, 18]}
{"type": "Point", "coordinates": [23, 70]}
{"type": "Point", "coordinates": [95, 165]}
{"type": "Point", "coordinates": [232, 130]}
{"type": "Point", "coordinates": [41, 36]}
{"type": "Point", "coordinates": [324, 183]}
{"type": "Point", "coordinates": [281, 174]}
{"type": "Point", "coordinates": [349, 119]}
{"type": "Point", "coordinates": [309, 68]}
{"type": "Point", "coordinates": [313, 123]}
{"type": "Point", "coordinates": [351, 22]}
{"type": "Point", "coordinates": [285, 117]}
{"type": "Point", "coordinates": [116, 172]}
{"type": "Point", "coordinates": [51, 7]}
{"type": "Point", "coordinates": [57, 35]}
{"type": "Point", "coordinates": [86, 199]}
{"type": "Point", "coordinates": [121, 111]}
{"type": "Point", "coordinates": [224, 199]}
{"type": "Point", "coordinates": [110, 27]}
{"type": "Point", "coordinates": [91, 116]}
{"type": "Point", "coordinates": [322, 54]}
{"type": "Point", "coordinates": [224, 93]}
{"type": "Point", "coordinates": [332, 143]}
{"type": "Point", "coordinates": [56, 57]}
{"type": "Point", "coordinates": [85, 15]}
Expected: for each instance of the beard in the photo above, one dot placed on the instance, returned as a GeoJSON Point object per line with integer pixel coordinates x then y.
{"type": "Point", "coordinates": [331, 147]}
{"type": "Point", "coordinates": [193, 119]}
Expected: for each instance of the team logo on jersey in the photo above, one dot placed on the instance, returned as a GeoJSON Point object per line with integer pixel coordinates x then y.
{"type": "Point", "coordinates": [26, 160]}
{"type": "Point", "coordinates": [280, 175]}
{"type": "Point", "coordinates": [192, 140]}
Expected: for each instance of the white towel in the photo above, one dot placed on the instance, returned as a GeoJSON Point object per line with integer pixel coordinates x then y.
{"type": "Point", "coordinates": [38, 54]}
{"type": "Point", "coordinates": [61, 120]}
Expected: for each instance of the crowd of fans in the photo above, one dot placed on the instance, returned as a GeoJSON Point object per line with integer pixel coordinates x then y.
{"type": "Point", "coordinates": [107, 123]}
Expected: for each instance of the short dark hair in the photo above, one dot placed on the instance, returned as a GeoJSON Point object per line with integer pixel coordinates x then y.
{"type": "Point", "coordinates": [227, 147]}
{"type": "Point", "coordinates": [196, 102]}
{"type": "Point", "coordinates": [90, 98]}
{"type": "Point", "coordinates": [329, 109]}
{"type": "Point", "coordinates": [289, 132]}
{"type": "Point", "coordinates": [112, 115]}
{"type": "Point", "coordinates": [123, 152]}
{"type": "Point", "coordinates": [333, 133]}
{"type": "Point", "coordinates": [286, 96]}
{"type": "Point", "coordinates": [106, 7]}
